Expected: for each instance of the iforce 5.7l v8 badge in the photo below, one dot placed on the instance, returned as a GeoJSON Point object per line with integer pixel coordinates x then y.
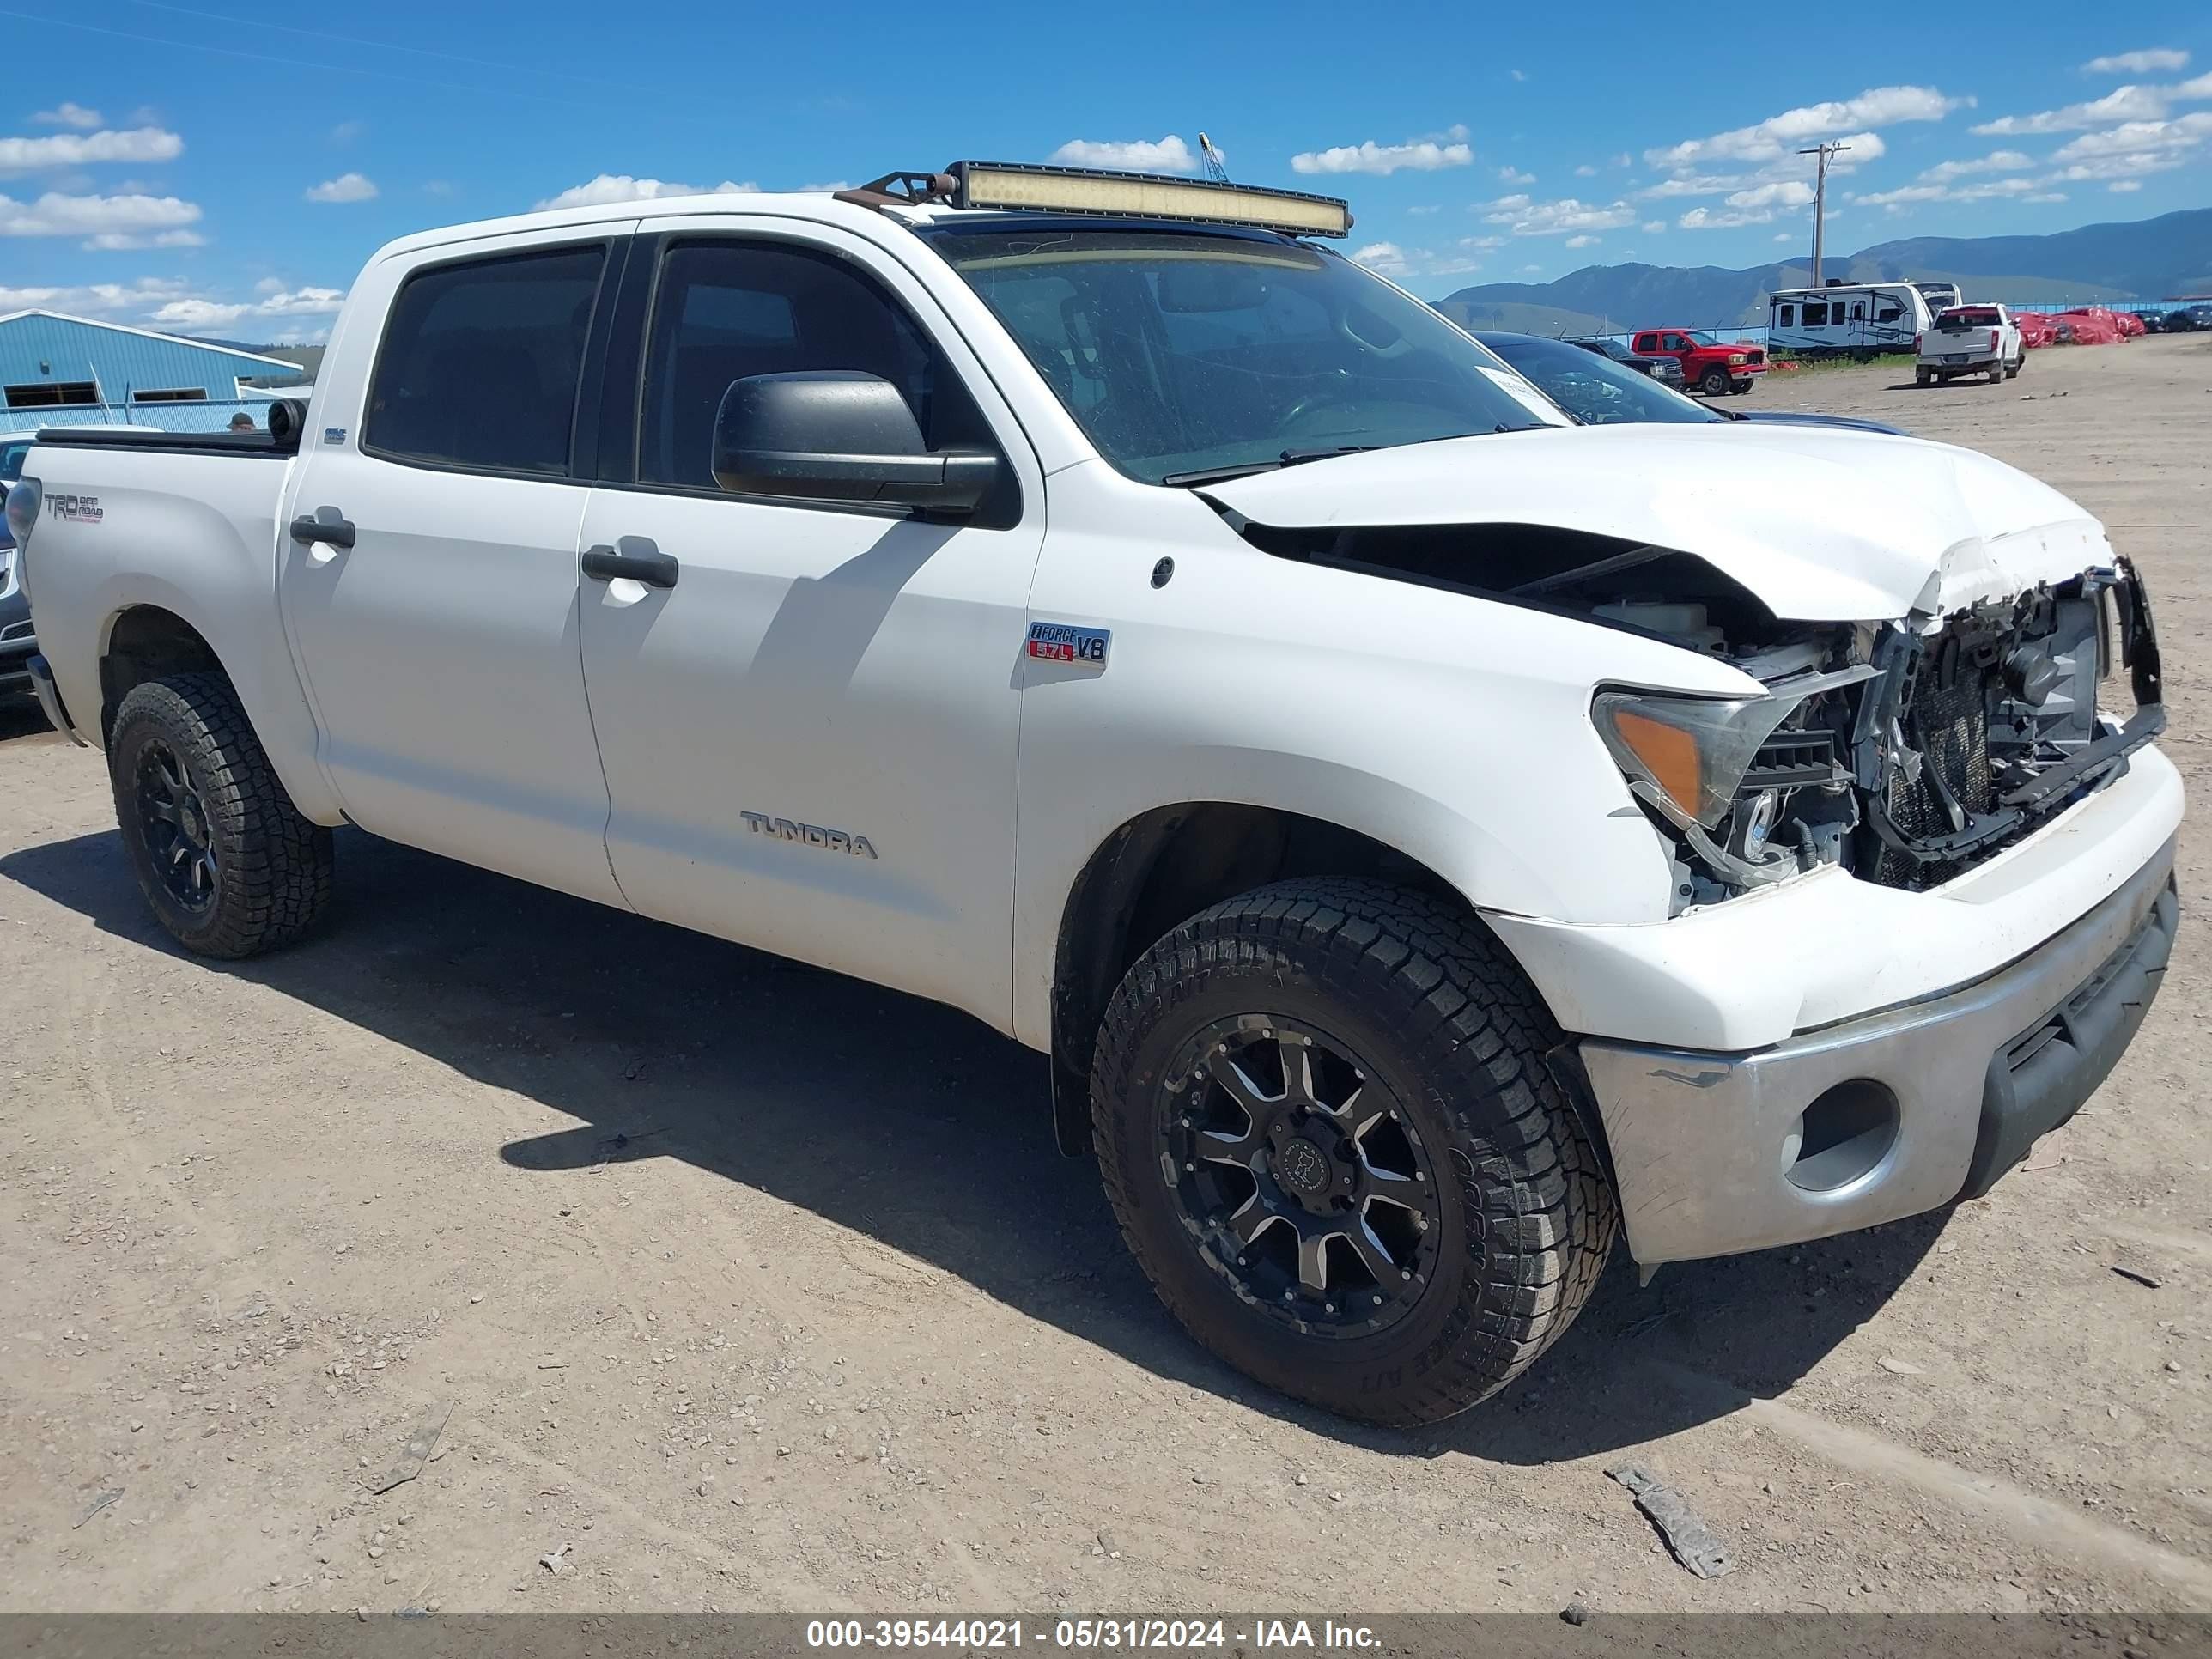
{"type": "Point", "coordinates": [1079, 648]}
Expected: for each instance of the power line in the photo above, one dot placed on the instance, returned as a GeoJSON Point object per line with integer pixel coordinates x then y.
{"type": "Point", "coordinates": [1820, 198]}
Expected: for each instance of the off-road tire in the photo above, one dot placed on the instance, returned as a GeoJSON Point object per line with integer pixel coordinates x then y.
{"type": "Point", "coordinates": [273, 879]}
{"type": "Point", "coordinates": [1923, 377]}
{"type": "Point", "coordinates": [1714, 382]}
{"type": "Point", "coordinates": [1446, 1020]}
{"type": "Point", "coordinates": [2012, 371]}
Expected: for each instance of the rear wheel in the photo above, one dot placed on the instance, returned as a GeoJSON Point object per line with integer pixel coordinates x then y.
{"type": "Point", "coordinates": [1325, 1122]}
{"type": "Point", "coordinates": [1714, 382]}
{"type": "Point", "coordinates": [2018, 364]}
{"type": "Point", "coordinates": [229, 866]}
{"type": "Point", "coordinates": [1923, 377]}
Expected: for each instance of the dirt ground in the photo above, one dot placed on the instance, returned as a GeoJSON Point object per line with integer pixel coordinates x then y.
{"type": "Point", "coordinates": [750, 1288]}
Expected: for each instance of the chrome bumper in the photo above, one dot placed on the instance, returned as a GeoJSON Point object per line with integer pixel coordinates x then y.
{"type": "Point", "coordinates": [1885, 1115]}
{"type": "Point", "coordinates": [50, 700]}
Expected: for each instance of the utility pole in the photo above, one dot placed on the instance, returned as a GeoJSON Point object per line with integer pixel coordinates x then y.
{"type": "Point", "coordinates": [1820, 198]}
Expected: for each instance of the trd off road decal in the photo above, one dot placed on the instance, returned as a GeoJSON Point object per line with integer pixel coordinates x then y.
{"type": "Point", "coordinates": [1083, 648]}
{"type": "Point", "coordinates": [77, 509]}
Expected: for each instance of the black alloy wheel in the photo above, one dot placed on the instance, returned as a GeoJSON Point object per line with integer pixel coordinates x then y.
{"type": "Point", "coordinates": [1297, 1175]}
{"type": "Point", "coordinates": [173, 819]}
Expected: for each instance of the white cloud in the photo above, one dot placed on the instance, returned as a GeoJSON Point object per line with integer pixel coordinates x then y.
{"type": "Point", "coordinates": [77, 115]}
{"type": "Point", "coordinates": [1583, 241]}
{"type": "Point", "coordinates": [1653, 227]}
{"type": "Point", "coordinates": [830, 189]}
{"type": "Point", "coordinates": [1785, 235]}
{"type": "Point", "coordinates": [1420, 156]}
{"type": "Point", "coordinates": [1168, 154]}
{"type": "Point", "coordinates": [2121, 104]}
{"type": "Point", "coordinates": [1987, 190]}
{"type": "Point", "coordinates": [346, 131]}
{"type": "Point", "coordinates": [2151, 61]}
{"type": "Point", "coordinates": [203, 314]}
{"type": "Point", "coordinates": [1724, 218]}
{"type": "Point", "coordinates": [1513, 175]}
{"type": "Point", "coordinates": [69, 150]}
{"type": "Point", "coordinates": [1998, 161]}
{"type": "Point", "coordinates": [1391, 259]}
{"type": "Point", "coordinates": [1586, 171]}
{"type": "Point", "coordinates": [1624, 159]}
{"type": "Point", "coordinates": [1780, 135]}
{"type": "Point", "coordinates": [1424, 210]}
{"type": "Point", "coordinates": [111, 241]}
{"type": "Point", "coordinates": [94, 299]}
{"type": "Point", "coordinates": [346, 187]}
{"type": "Point", "coordinates": [1564, 217]}
{"type": "Point", "coordinates": [1786, 193]}
{"type": "Point", "coordinates": [622, 187]}
{"type": "Point", "coordinates": [1520, 75]}
{"type": "Point", "coordinates": [2133, 137]}
{"type": "Point", "coordinates": [2046, 195]}
{"type": "Point", "coordinates": [2125, 187]}
{"type": "Point", "coordinates": [56, 215]}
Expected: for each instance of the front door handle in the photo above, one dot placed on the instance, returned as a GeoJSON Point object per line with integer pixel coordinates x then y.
{"type": "Point", "coordinates": [633, 556]}
{"type": "Point", "coordinates": [322, 525]}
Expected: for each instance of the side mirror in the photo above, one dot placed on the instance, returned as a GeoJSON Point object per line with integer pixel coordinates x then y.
{"type": "Point", "coordinates": [839, 435]}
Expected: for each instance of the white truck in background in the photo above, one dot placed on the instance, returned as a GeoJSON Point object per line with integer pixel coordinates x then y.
{"type": "Point", "coordinates": [1430, 839]}
{"type": "Point", "coordinates": [1975, 339]}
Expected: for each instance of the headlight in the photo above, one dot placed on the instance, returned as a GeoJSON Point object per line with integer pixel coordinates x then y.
{"type": "Point", "coordinates": [22, 510]}
{"type": "Point", "coordinates": [1693, 751]}
{"type": "Point", "coordinates": [1738, 357]}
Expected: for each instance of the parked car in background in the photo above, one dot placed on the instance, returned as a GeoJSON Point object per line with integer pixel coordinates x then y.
{"type": "Point", "coordinates": [1599, 390]}
{"type": "Point", "coordinates": [1971, 340]}
{"type": "Point", "coordinates": [1713, 367]}
{"type": "Point", "coordinates": [2189, 319]}
{"type": "Point", "coordinates": [1665, 370]}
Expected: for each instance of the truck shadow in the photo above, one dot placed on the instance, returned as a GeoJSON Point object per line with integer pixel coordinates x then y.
{"type": "Point", "coordinates": [915, 1124]}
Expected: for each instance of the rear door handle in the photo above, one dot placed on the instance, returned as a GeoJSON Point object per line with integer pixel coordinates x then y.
{"type": "Point", "coordinates": [322, 525]}
{"type": "Point", "coordinates": [633, 556]}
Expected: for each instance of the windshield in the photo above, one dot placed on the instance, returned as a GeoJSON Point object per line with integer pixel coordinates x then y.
{"type": "Point", "coordinates": [1596, 390]}
{"type": "Point", "coordinates": [1190, 355]}
{"type": "Point", "coordinates": [1955, 322]}
{"type": "Point", "coordinates": [1699, 336]}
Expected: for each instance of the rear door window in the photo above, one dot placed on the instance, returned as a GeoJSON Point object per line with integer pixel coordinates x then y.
{"type": "Point", "coordinates": [481, 363]}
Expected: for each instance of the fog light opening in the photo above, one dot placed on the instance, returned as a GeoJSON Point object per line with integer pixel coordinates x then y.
{"type": "Point", "coordinates": [1843, 1134]}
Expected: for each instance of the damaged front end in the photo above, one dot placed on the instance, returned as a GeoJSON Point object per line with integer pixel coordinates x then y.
{"type": "Point", "coordinates": [1906, 753]}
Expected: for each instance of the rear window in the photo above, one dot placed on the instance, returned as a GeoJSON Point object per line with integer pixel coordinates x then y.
{"type": "Point", "coordinates": [481, 363]}
{"type": "Point", "coordinates": [1952, 322]}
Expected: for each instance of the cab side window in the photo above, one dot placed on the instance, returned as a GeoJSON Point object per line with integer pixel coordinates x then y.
{"type": "Point", "coordinates": [480, 362]}
{"type": "Point", "coordinates": [725, 310]}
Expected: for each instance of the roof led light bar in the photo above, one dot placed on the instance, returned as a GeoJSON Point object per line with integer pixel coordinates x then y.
{"type": "Point", "coordinates": [1145, 196]}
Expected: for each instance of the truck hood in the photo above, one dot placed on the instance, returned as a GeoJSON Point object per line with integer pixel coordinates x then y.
{"type": "Point", "coordinates": [1819, 524]}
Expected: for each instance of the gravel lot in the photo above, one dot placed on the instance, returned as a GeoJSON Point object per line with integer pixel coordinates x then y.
{"type": "Point", "coordinates": [754, 1288]}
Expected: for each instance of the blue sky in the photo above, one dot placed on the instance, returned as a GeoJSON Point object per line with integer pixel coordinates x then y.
{"type": "Point", "coordinates": [220, 169]}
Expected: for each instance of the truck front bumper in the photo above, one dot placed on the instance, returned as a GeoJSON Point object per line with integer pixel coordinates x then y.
{"type": "Point", "coordinates": [1885, 1115]}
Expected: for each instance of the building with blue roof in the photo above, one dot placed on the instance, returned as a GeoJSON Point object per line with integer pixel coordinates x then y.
{"type": "Point", "coordinates": [57, 370]}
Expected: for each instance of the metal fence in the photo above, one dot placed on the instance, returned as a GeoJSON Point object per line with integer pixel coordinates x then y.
{"type": "Point", "coordinates": [211, 415]}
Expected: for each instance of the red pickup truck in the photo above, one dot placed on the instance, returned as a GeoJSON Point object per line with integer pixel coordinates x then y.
{"type": "Point", "coordinates": [1709, 366]}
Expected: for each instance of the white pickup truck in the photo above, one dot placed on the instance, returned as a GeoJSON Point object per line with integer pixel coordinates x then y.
{"type": "Point", "coordinates": [1977, 339]}
{"type": "Point", "coordinates": [1430, 839]}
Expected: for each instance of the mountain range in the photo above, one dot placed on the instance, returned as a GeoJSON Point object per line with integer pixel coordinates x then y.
{"type": "Point", "coordinates": [2147, 260]}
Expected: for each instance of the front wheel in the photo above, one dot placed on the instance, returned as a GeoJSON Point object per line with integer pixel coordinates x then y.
{"type": "Point", "coordinates": [229, 866]}
{"type": "Point", "coordinates": [1714, 382]}
{"type": "Point", "coordinates": [1325, 1122]}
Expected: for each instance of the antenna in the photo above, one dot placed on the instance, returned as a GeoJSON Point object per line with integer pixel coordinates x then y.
{"type": "Point", "coordinates": [1216, 170]}
{"type": "Point", "coordinates": [1820, 198]}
